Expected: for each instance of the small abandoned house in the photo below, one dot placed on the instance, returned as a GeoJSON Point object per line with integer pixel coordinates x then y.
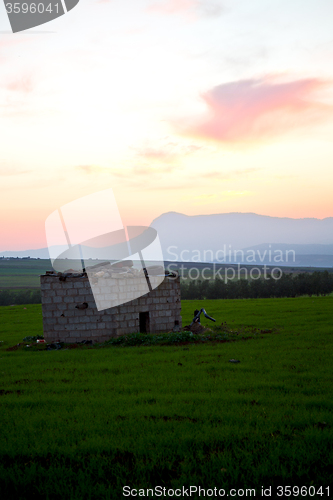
{"type": "Point", "coordinates": [70, 313]}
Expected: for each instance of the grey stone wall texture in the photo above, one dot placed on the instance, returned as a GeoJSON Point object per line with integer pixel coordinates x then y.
{"type": "Point", "coordinates": [158, 311]}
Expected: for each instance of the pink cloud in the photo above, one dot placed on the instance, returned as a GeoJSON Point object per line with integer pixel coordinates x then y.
{"type": "Point", "coordinates": [23, 84]}
{"type": "Point", "coordinates": [191, 8]}
{"type": "Point", "coordinates": [151, 153]}
{"type": "Point", "coordinates": [145, 170]}
{"type": "Point", "coordinates": [10, 42]}
{"type": "Point", "coordinates": [252, 110]}
{"type": "Point", "coordinates": [164, 150]}
{"type": "Point", "coordinates": [226, 175]}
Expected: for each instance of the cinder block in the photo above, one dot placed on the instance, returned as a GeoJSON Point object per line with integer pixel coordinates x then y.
{"type": "Point", "coordinates": [102, 304]}
{"type": "Point", "coordinates": [79, 284]}
{"type": "Point", "coordinates": [82, 326]}
{"type": "Point", "coordinates": [47, 279]}
{"type": "Point", "coordinates": [101, 297]}
{"type": "Point", "coordinates": [78, 312]}
{"type": "Point", "coordinates": [67, 284]}
{"type": "Point", "coordinates": [62, 306]}
{"type": "Point", "coordinates": [58, 300]}
{"type": "Point", "coordinates": [68, 300]}
{"type": "Point", "coordinates": [73, 339]}
{"type": "Point", "coordinates": [58, 328]}
{"type": "Point", "coordinates": [110, 297]}
{"type": "Point", "coordinates": [49, 321]}
{"type": "Point", "coordinates": [45, 286]}
{"type": "Point", "coordinates": [57, 285]}
{"type": "Point", "coordinates": [78, 299]}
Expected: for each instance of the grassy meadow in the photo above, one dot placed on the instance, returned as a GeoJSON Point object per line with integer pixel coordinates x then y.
{"type": "Point", "coordinates": [83, 423]}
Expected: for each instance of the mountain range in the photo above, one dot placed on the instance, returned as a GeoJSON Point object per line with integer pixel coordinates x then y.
{"type": "Point", "coordinates": [246, 238]}
{"type": "Point", "coordinates": [237, 237]}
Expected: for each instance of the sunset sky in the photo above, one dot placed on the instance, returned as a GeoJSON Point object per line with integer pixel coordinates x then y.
{"type": "Point", "coordinates": [193, 106]}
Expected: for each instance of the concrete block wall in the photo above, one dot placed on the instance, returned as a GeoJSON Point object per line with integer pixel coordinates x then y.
{"type": "Point", "coordinates": [63, 322]}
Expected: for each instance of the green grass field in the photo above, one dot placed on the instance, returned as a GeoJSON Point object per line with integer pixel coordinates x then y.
{"type": "Point", "coordinates": [84, 423]}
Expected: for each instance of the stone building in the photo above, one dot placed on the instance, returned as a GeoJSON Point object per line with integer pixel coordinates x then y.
{"type": "Point", "coordinates": [70, 313]}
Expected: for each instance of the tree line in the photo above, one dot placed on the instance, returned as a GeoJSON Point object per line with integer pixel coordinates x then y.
{"type": "Point", "coordinates": [18, 297]}
{"type": "Point", "coordinates": [288, 285]}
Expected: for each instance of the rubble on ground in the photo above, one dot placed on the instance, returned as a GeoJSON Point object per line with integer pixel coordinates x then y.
{"type": "Point", "coordinates": [118, 270]}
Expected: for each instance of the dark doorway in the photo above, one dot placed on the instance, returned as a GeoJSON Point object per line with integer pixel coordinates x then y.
{"type": "Point", "coordinates": [144, 322]}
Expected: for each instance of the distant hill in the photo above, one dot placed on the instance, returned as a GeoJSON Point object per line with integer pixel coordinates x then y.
{"type": "Point", "coordinates": [41, 253]}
